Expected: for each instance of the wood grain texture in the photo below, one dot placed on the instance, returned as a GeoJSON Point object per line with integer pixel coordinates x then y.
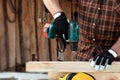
{"type": "Point", "coordinates": [29, 45]}
{"type": "Point", "coordinates": [66, 66]}
{"type": "Point", "coordinates": [59, 69]}
{"type": "Point", "coordinates": [11, 55]}
{"type": "Point", "coordinates": [3, 62]}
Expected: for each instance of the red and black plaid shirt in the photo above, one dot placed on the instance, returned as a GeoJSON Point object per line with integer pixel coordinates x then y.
{"type": "Point", "coordinates": [99, 26]}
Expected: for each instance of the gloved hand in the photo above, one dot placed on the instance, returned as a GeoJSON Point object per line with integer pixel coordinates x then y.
{"type": "Point", "coordinates": [60, 25]}
{"type": "Point", "coordinates": [104, 60]}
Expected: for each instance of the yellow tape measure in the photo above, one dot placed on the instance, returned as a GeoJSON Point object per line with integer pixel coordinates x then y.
{"type": "Point", "coordinates": [77, 76]}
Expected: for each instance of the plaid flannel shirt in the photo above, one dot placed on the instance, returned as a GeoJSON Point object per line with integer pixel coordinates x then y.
{"type": "Point", "coordinates": [99, 26]}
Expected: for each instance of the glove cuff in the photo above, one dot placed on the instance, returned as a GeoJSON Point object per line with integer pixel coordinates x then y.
{"type": "Point", "coordinates": [59, 16]}
{"type": "Point", "coordinates": [112, 52]}
{"type": "Point", "coordinates": [56, 15]}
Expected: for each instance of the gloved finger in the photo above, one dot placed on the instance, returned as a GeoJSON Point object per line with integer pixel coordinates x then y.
{"type": "Point", "coordinates": [64, 42]}
{"type": "Point", "coordinates": [93, 61]}
{"type": "Point", "coordinates": [110, 61]}
{"type": "Point", "coordinates": [57, 31]}
{"type": "Point", "coordinates": [107, 67]}
{"type": "Point", "coordinates": [98, 63]}
{"type": "Point", "coordinates": [95, 58]}
{"type": "Point", "coordinates": [66, 36]}
{"type": "Point", "coordinates": [106, 64]}
{"type": "Point", "coordinates": [99, 60]}
{"type": "Point", "coordinates": [97, 67]}
{"type": "Point", "coordinates": [102, 68]}
{"type": "Point", "coordinates": [103, 61]}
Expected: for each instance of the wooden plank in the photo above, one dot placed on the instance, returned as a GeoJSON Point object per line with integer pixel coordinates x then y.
{"type": "Point", "coordinates": [66, 67]}
{"type": "Point", "coordinates": [3, 63]}
{"type": "Point", "coordinates": [18, 52]}
{"type": "Point", "coordinates": [53, 50]}
{"type": "Point", "coordinates": [43, 48]}
{"type": "Point", "coordinates": [11, 55]}
{"type": "Point", "coordinates": [68, 55]}
{"type": "Point", "coordinates": [29, 40]}
{"type": "Point", "coordinates": [66, 9]}
{"type": "Point", "coordinates": [39, 27]}
{"type": "Point", "coordinates": [59, 69]}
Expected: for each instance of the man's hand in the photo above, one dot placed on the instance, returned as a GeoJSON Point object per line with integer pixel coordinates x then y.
{"type": "Point", "coordinates": [60, 24]}
{"type": "Point", "coordinates": [104, 60]}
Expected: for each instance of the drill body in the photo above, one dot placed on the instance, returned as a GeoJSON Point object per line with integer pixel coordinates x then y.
{"type": "Point", "coordinates": [73, 31]}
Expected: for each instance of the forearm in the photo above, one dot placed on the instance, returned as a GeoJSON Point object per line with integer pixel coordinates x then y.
{"type": "Point", "coordinates": [116, 46]}
{"type": "Point", "coordinates": [53, 6]}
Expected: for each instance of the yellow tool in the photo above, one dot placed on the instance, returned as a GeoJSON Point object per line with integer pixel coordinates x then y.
{"type": "Point", "coordinates": [77, 76]}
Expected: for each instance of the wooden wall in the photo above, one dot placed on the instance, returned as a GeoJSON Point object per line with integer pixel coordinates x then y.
{"type": "Point", "coordinates": [21, 38]}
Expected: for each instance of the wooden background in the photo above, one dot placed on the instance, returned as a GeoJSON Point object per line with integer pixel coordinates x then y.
{"type": "Point", "coordinates": [21, 39]}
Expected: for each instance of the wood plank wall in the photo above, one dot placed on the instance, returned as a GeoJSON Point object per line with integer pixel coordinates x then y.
{"type": "Point", "coordinates": [21, 40]}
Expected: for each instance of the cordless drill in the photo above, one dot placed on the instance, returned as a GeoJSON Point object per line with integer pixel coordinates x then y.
{"type": "Point", "coordinates": [72, 33]}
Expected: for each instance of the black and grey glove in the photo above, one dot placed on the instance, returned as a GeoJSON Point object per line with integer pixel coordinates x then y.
{"type": "Point", "coordinates": [104, 60]}
{"type": "Point", "coordinates": [60, 24]}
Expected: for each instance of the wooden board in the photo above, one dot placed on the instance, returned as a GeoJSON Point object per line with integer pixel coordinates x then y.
{"type": "Point", "coordinates": [67, 66]}
{"type": "Point", "coordinates": [59, 69]}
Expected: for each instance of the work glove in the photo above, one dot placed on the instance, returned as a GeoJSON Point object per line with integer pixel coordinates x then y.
{"type": "Point", "coordinates": [60, 25]}
{"type": "Point", "coordinates": [104, 60]}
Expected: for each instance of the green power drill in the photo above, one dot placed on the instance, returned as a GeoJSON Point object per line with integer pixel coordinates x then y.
{"type": "Point", "coordinates": [73, 30]}
{"type": "Point", "coordinates": [73, 35]}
